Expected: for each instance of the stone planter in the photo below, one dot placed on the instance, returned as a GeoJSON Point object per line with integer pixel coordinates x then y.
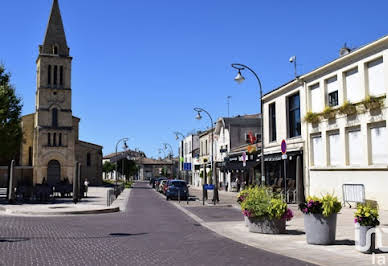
{"type": "Point", "coordinates": [246, 221]}
{"type": "Point", "coordinates": [320, 230]}
{"type": "Point", "coordinates": [364, 243]}
{"type": "Point", "coordinates": [266, 226]}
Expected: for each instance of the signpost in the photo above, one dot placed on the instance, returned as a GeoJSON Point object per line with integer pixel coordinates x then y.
{"type": "Point", "coordinates": [283, 147]}
{"type": "Point", "coordinates": [244, 158]}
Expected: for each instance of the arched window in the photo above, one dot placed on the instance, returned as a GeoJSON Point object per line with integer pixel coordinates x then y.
{"type": "Point", "coordinates": [55, 117]}
{"type": "Point", "coordinates": [49, 75]}
{"type": "Point", "coordinates": [88, 159]}
{"type": "Point", "coordinates": [61, 75]}
{"type": "Point", "coordinates": [60, 139]}
{"type": "Point", "coordinates": [55, 75]}
{"type": "Point", "coordinates": [55, 49]}
{"type": "Point", "coordinates": [48, 139]}
{"type": "Point", "coordinates": [30, 156]}
{"type": "Point", "coordinates": [55, 140]}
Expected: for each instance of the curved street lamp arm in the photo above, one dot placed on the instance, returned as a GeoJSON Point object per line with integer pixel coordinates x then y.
{"type": "Point", "coordinates": [240, 67]}
{"type": "Point", "coordinates": [198, 109]}
{"type": "Point", "coordinates": [177, 133]}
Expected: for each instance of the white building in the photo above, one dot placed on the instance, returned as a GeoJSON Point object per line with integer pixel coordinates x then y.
{"type": "Point", "coordinates": [190, 152]}
{"type": "Point", "coordinates": [351, 146]}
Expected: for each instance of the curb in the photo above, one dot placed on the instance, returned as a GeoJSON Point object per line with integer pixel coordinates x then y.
{"type": "Point", "coordinates": [98, 211]}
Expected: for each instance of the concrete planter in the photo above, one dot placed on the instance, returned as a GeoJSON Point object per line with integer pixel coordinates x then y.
{"type": "Point", "coordinates": [246, 221]}
{"type": "Point", "coordinates": [266, 226]}
{"type": "Point", "coordinates": [364, 243]}
{"type": "Point", "coordinates": [320, 230]}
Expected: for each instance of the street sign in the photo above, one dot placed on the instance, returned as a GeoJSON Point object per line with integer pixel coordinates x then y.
{"type": "Point", "coordinates": [209, 187]}
{"type": "Point", "coordinates": [244, 158]}
{"type": "Point", "coordinates": [284, 146]}
{"type": "Point", "coordinates": [284, 156]}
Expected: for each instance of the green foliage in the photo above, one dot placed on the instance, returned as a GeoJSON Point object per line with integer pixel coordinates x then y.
{"type": "Point", "coordinates": [367, 215]}
{"type": "Point", "coordinates": [10, 109]}
{"type": "Point", "coordinates": [130, 167]}
{"type": "Point", "coordinates": [330, 205]}
{"type": "Point", "coordinates": [201, 174]}
{"type": "Point", "coordinates": [108, 167]}
{"type": "Point", "coordinates": [347, 109]}
{"type": "Point", "coordinates": [260, 202]}
{"type": "Point", "coordinates": [312, 118]}
{"type": "Point", "coordinates": [372, 103]}
{"type": "Point", "coordinates": [328, 112]}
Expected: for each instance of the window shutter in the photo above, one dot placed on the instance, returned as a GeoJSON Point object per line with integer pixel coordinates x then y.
{"type": "Point", "coordinates": [376, 77]}
{"type": "Point", "coordinates": [317, 151]}
{"type": "Point", "coordinates": [332, 85]}
{"type": "Point", "coordinates": [315, 98]}
{"type": "Point", "coordinates": [335, 149]}
{"type": "Point", "coordinates": [355, 156]}
{"type": "Point", "coordinates": [378, 136]}
{"type": "Point", "coordinates": [353, 88]}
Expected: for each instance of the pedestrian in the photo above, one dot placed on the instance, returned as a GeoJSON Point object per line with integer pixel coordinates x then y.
{"type": "Point", "coordinates": [238, 184]}
{"type": "Point", "coordinates": [226, 186]}
{"type": "Point", "coordinates": [86, 184]}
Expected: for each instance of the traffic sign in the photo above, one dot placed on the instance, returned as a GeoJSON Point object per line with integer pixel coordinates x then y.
{"type": "Point", "coordinates": [209, 187]}
{"type": "Point", "coordinates": [284, 146]}
{"type": "Point", "coordinates": [284, 156]}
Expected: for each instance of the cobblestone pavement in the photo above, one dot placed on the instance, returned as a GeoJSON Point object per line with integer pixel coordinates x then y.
{"type": "Point", "coordinates": [150, 232]}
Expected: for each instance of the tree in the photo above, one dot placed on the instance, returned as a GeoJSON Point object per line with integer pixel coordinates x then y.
{"type": "Point", "coordinates": [10, 110]}
{"type": "Point", "coordinates": [108, 167]}
{"type": "Point", "coordinates": [130, 168]}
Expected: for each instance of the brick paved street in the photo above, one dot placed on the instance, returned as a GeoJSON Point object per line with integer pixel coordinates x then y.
{"type": "Point", "coordinates": [150, 232]}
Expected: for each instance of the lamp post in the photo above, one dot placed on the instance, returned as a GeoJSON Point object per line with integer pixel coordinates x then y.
{"type": "Point", "coordinates": [239, 79]}
{"type": "Point", "coordinates": [180, 155]}
{"type": "Point", "coordinates": [171, 156]}
{"type": "Point", "coordinates": [199, 117]}
{"type": "Point", "coordinates": [125, 146]}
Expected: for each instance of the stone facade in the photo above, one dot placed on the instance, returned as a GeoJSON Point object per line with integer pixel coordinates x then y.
{"type": "Point", "coordinates": [51, 145]}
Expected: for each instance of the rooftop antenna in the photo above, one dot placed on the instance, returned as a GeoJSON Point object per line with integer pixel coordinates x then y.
{"type": "Point", "coordinates": [228, 103]}
{"type": "Point", "coordinates": [293, 60]}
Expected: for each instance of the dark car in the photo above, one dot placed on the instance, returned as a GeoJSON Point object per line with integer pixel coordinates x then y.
{"type": "Point", "coordinates": [152, 182]}
{"type": "Point", "coordinates": [177, 188]}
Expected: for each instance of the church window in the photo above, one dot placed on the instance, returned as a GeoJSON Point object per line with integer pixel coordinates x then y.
{"type": "Point", "coordinates": [61, 75]}
{"type": "Point", "coordinates": [60, 139]}
{"type": "Point", "coordinates": [30, 156]}
{"type": "Point", "coordinates": [55, 140]}
{"type": "Point", "coordinates": [88, 159]}
{"type": "Point", "coordinates": [48, 139]}
{"type": "Point", "coordinates": [55, 49]}
{"type": "Point", "coordinates": [49, 75]}
{"type": "Point", "coordinates": [55, 117]}
{"type": "Point", "coordinates": [55, 75]}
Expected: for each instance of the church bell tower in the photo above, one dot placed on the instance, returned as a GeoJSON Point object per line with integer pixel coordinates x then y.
{"type": "Point", "coordinates": [54, 134]}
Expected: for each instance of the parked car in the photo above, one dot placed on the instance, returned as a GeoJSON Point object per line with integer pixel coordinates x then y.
{"type": "Point", "coordinates": [157, 182]}
{"type": "Point", "coordinates": [152, 182]}
{"type": "Point", "coordinates": [177, 188]}
{"type": "Point", "coordinates": [161, 185]}
{"type": "Point", "coordinates": [165, 187]}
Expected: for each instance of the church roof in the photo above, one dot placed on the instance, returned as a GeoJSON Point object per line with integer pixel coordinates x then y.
{"type": "Point", "coordinates": [55, 33]}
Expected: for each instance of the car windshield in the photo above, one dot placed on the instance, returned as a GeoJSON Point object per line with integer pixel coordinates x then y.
{"type": "Point", "coordinates": [178, 184]}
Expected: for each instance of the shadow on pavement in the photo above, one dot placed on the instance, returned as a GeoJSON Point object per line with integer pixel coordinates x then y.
{"type": "Point", "coordinates": [345, 242]}
{"type": "Point", "coordinates": [13, 239]}
{"type": "Point", "coordinates": [295, 232]}
{"type": "Point", "coordinates": [126, 234]}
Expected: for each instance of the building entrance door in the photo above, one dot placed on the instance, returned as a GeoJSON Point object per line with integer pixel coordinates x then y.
{"type": "Point", "coordinates": [53, 172]}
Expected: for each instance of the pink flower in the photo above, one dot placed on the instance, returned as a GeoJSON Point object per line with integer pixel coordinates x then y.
{"type": "Point", "coordinates": [288, 214]}
{"type": "Point", "coordinates": [355, 220]}
{"type": "Point", "coordinates": [305, 210]}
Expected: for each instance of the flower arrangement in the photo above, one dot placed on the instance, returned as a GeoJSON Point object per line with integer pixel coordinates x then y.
{"type": "Point", "coordinates": [372, 103]}
{"type": "Point", "coordinates": [326, 205]}
{"type": "Point", "coordinates": [348, 109]}
{"type": "Point", "coordinates": [259, 202]}
{"type": "Point", "coordinates": [312, 118]}
{"type": "Point", "coordinates": [328, 112]}
{"type": "Point", "coordinates": [242, 195]}
{"type": "Point", "coordinates": [366, 215]}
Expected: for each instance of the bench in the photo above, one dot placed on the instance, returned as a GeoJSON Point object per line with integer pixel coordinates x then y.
{"type": "Point", "coordinates": [3, 193]}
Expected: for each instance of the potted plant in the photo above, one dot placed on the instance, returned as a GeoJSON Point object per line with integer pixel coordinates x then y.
{"type": "Point", "coordinates": [312, 118]}
{"type": "Point", "coordinates": [328, 112]}
{"type": "Point", "coordinates": [240, 199]}
{"type": "Point", "coordinates": [267, 213]}
{"type": "Point", "coordinates": [372, 103]}
{"type": "Point", "coordinates": [348, 109]}
{"type": "Point", "coordinates": [320, 219]}
{"type": "Point", "coordinates": [365, 218]}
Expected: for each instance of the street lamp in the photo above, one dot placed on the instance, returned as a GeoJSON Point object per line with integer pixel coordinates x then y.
{"type": "Point", "coordinates": [180, 151]}
{"type": "Point", "coordinates": [198, 117]}
{"type": "Point", "coordinates": [178, 134]}
{"type": "Point", "coordinates": [169, 146]}
{"type": "Point", "coordinates": [239, 79]}
{"type": "Point", "coordinates": [125, 146]}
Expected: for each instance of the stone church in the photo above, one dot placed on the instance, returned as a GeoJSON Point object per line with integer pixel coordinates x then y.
{"type": "Point", "coordinates": [51, 146]}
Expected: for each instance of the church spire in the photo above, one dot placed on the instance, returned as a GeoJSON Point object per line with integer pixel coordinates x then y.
{"type": "Point", "coordinates": [55, 39]}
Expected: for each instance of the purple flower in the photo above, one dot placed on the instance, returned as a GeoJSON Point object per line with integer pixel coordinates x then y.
{"type": "Point", "coordinates": [305, 210]}
{"type": "Point", "coordinates": [288, 214]}
{"type": "Point", "coordinates": [355, 220]}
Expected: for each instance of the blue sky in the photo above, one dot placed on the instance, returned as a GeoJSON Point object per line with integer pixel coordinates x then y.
{"type": "Point", "coordinates": [140, 67]}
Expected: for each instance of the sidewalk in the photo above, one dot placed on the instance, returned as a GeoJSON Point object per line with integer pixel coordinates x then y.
{"type": "Point", "coordinates": [95, 203]}
{"type": "Point", "coordinates": [228, 222]}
